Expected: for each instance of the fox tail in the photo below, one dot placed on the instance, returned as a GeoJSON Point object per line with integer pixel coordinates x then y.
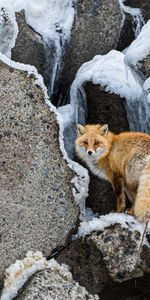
{"type": "Point", "coordinates": [142, 201]}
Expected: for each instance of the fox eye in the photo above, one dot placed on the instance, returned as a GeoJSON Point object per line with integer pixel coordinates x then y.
{"type": "Point", "coordinates": [96, 143]}
{"type": "Point", "coordinates": [85, 142]}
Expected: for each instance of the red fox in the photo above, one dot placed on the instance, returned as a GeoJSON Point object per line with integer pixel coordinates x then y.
{"type": "Point", "coordinates": [123, 159]}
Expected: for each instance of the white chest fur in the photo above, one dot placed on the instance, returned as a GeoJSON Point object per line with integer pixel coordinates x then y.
{"type": "Point", "coordinates": [96, 170]}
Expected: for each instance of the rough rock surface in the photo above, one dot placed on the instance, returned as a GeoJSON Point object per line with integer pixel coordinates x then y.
{"type": "Point", "coordinates": [52, 284]}
{"type": "Point", "coordinates": [92, 34]}
{"type": "Point", "coordinates": [144, 66]}
{"type": "Point", "coordinates": [119, 248]}
{"type": "Point", "coordinates": [86, 265]}
{"type": "Point", "coordinates": [102, 108]}
{"type": "Point", "coordinates": [36, 201]}
{"type": "Point", "coordinates": [144, 5]}
{"type": "Point", "coordinates": [29, 48]}
{"type": "Point", "coordinates": [127, 35]}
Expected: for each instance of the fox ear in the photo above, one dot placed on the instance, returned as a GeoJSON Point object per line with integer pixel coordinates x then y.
{"type": "Point", "coordinates": [80, 130]}
{"type": "Point", "coordinates": [104, 130]}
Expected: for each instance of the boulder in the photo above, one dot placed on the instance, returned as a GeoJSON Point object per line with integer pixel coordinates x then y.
{"type": "Point", "coordinates": [86, 265]}
{"type": "Point", "coordinates": [123, 249]}
{"type": "Point", "coordinates": [92, 34]}
{"type": "Point", "coordinates": [37, 206]}
{"type": "Point", "coordinates": [29, 47]}
{"type": "Point", "coordinates": [54, 283]}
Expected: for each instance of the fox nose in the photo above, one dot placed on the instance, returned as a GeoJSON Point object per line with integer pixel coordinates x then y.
{"type": "Point", "coordinates": [89, 152]}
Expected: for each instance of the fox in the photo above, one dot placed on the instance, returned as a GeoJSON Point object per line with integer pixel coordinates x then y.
{"type": "Point", "coordinates": [123, 159]}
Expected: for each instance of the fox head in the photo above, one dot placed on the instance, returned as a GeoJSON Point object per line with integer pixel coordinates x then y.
{"type": "Point", "coordinates": [92, 142]}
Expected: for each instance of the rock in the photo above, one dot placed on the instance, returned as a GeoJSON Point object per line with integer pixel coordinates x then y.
{"type": "Point", "coordinates": [37, 205]}
{"type": "Point", "coordinates": [29, 48]}
{"type": "Point", "coordinates": [144, 6]}
{"type": "Point", "coordinates": [103, 107]}
{"type": "Point", "coordinates": [86, 265]}
{"type": "Point", "coordinates": [92, 34]}
{"type": "Point", "coordinates": [55, 283]}
{"type": "Point", "coordinates": [120, 249]}
{"type": "Point", "coordinates": [127, 35]}
{"type": "Point", "coordinates": [144, 66]}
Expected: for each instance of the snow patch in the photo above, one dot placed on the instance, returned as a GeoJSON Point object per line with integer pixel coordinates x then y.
{"type": "Point", "coordinates": [99, 224]}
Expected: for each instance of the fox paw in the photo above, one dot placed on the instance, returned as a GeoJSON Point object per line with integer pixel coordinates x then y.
{"type": "Point", "coordinates": [129, 211]}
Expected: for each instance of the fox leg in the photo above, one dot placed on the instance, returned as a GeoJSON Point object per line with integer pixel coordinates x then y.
{"type": "Point", "coordinates": [132, 197]}
{"type": "Point", "coordinates": [119, 191]}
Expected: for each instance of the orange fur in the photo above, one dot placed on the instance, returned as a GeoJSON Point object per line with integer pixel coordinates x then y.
{"type": "Point", "coordinates": [123, 159]}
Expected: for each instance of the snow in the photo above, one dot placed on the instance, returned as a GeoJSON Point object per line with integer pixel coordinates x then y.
{"type": "Point", "coordinates": [139, 48]}
{"type": "Point", "coordinates": [136, 14]}
{"type": "Point", "coordinates": [99, 224]}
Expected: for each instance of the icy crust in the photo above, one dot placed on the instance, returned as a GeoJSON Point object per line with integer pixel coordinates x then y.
{"type": "Point", "coordinates": [80, 182]}
{"type": "Point", "coordinates": [18, 273]}
{"type": "Point", "coordinates": [135, 13]}
{"type": "Point", "coordinates": [8, 28]}
{"type": "Point", "coordinates": [139, 48]}
{"type": "Point", "coordinates": [99, 224]}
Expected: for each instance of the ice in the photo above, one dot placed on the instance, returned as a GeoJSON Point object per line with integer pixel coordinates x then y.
{"type": "Point", "coordinates": [140, 47]}
{"type": "Point", "coordinates": [52, 20]}
{"type": "Point", "coordinates": [136, 14]}
{"type": "Point", "coordinates": [111, 72]}
{"type": "Point", "coordinates": [8, 29]}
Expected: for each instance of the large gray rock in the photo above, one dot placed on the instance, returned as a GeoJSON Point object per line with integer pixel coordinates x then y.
{"type": "Point", "coordinates": [96, 31]}
{"type": "Point", "coordinates": [29, 48]}
{"type": "Point", "coordinates": [54, 284]}
{"type": "Point", "coordinates": [36, 202]}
